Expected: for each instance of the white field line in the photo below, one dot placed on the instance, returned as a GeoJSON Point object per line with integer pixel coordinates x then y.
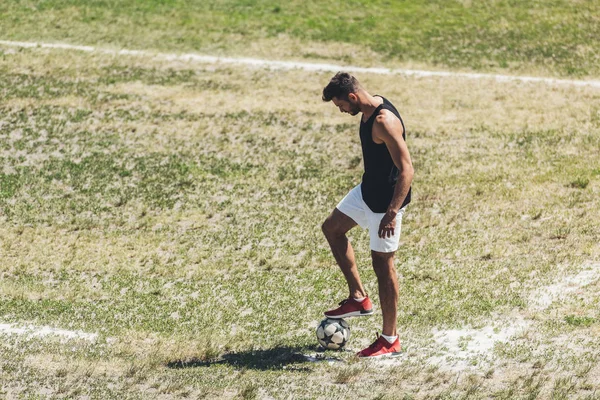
{"type": "Point", "coordinates": [459, 346]}
{"type": "Point", "coordinates": [30, 331]}
{"type": "Point", "coordinates": [290, 65]}
{"type": "Point", "coordinates": [315, 358]}
{"type": "Point", "coordinates": [542, 298]}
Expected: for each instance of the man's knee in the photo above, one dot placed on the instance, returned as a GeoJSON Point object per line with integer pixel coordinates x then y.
{"type": "Point", "coordinates": [382, 257]}
{"type": "Point", "coordinates": [383, 263]}
{"type": "Point", "coordinates": [333, 226]}
{"type": "Point", "coordinates": [337, 224]}
{"type": "Point", "coordinates": [329, 227]}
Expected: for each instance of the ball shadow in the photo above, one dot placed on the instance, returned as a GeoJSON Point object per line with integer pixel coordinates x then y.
{"type": "Point", "coordinates": [276, 358]}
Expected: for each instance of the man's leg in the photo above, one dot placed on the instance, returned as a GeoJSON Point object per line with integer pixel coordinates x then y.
{"type": "Point", "coordinates": [335, 228]}
{"type": "Point", "coordinates": [383, 264]}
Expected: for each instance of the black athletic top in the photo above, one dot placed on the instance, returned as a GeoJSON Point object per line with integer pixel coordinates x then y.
{"type": "Point", "coordinates": [381, 174]}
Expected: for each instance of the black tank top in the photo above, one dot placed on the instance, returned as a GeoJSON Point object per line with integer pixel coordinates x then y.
{"type": "Point", "coordinates": [381, 173]}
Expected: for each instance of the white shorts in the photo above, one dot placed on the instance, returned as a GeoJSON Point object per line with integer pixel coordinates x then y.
{"type": "Point", "coordinates": [354, 206]}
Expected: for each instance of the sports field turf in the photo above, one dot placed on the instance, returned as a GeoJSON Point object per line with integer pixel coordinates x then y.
{"type": "Point", "coordinates": [559, 37]}
{"type": "Point", "coordinates": [173, 209]}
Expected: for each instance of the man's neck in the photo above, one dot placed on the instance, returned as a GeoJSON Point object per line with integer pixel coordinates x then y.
{"type": "Point", "coordinates": [368, 105]}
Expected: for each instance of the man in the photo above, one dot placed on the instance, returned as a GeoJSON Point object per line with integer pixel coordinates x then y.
{"type": "Point", "coordinates": [377, 204]}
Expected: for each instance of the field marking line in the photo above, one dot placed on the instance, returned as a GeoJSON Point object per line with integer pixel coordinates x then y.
{"type": "Point", "coordinates": [464, 344]}
{"type": "Point", "coordinates": [317, 67]}
{"type": "Point", "coordinates": [317, 358]}
{"type": "Point", "coordinates": [457, 347]}
{"type": "Point", "coordinates": [542, 298]}
{"type": "Point", "coordinates": [43, 331]}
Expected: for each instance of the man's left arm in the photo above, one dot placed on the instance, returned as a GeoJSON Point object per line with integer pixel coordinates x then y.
{"type": "Point", "coordinates": [388, 129]}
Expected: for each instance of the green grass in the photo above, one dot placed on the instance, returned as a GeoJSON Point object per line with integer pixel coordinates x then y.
{"type": "Point", "coordinates": [542, 36]}
{"type": "Point", "coordinates": [175, 210]}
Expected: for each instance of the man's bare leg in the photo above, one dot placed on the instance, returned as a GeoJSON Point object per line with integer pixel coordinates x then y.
{"type": "Point", "coordinates": [335, 228]}
{"type": "Point", "coordinates": [383, 264]}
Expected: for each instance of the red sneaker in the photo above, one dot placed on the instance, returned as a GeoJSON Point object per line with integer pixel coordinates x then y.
{"type": "Point", "coordinates": [351, 308]}
{"type": "Point", "coordinates": [381, 348]}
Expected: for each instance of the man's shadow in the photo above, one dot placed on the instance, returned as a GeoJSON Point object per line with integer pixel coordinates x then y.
{"type": "Point", "coordinates": [279, 357]}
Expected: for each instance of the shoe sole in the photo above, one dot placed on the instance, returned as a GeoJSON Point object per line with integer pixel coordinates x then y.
{"type": "Point", "coordinates": [351, 314]}
{"type": "Point", "coordinates": [387, 355]}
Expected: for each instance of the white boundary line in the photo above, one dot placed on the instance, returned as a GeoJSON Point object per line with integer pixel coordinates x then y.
{"type": "Point", "coordinates": [287, 65]}
{"type": "Point", "coordinates": [43, 331]}
{"type": "Point", "coordinates": [542, 298]}
{"type": "Point", "coordinates": [462, 345]}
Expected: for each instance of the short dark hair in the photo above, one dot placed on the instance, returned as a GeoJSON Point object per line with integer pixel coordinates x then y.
{"type": "Point", "coordinates": [340, 86]}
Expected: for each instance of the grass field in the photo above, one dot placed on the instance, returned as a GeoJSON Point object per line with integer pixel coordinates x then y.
{"type": "Point", "coordinates": [539, 36]}
{"type": "Point", "coordinates": [173, 209]}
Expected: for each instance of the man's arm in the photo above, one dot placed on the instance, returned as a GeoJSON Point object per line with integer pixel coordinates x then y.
{"type": "Point", "coordinates": [388, 129]}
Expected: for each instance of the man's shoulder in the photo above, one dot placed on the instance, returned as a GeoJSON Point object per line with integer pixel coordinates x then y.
{"type": "Point", "coordinates": [385, 117]}
{"type": "Point", "coordinates": [387, 123]}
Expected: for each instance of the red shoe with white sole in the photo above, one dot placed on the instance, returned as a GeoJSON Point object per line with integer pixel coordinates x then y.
{"type": "Point", "coordinates": [351, 308]}
{"type": "Point", "coordinates": [381, 348]}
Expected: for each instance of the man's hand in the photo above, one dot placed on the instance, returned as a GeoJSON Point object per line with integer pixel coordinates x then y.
{"type": "Point", "coordinates": [387, 224]}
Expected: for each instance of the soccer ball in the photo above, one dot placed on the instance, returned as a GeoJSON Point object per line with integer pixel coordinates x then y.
{"type": "Point", "coordinates": [333, 333]}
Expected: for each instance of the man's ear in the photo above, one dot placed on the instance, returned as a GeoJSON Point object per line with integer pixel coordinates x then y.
{"type": "Point", "coordinates": [352, 97]}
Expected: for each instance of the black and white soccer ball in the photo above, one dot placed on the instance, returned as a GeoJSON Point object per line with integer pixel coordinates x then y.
{"type": "Point", "coordinates": [333, 333]}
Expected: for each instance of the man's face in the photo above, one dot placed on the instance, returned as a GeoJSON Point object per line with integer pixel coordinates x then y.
{"type": "Point", "coordinates": [349, 106]}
